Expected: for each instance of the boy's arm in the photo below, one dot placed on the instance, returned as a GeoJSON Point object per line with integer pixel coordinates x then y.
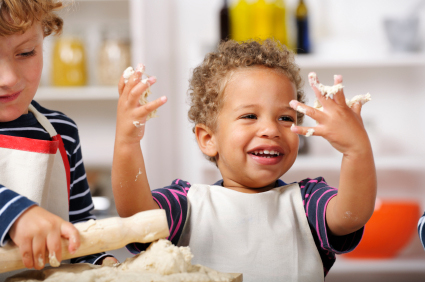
{"type": "Point", "coordinates": [12, 205]}
{"type": "Point", "coordinates": [343, 128]}
{"type": "Point", "coordinates": [129, 180]}
{"type": "Point", "coordinates": [80, 200]}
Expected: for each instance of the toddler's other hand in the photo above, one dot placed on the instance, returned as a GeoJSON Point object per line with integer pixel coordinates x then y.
{"type": "Point", "coordinates": [340, 125]}
{"type": "Point", "coordinates": [37, 231]}
{"type": "Point", "coordinates": [131, 116]}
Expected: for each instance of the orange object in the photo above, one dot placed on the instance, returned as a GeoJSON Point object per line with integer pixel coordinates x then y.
{"type": "Point", "coordinates": [388, 231]}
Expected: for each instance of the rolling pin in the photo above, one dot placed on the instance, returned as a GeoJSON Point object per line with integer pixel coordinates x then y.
{"type": "Point", "coordinates": [101, 236]}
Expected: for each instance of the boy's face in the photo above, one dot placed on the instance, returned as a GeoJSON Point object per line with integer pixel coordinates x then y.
{"type": "Point", "coordinates": [256, 118]}
{"type": "Point", "coordinates": [21, 63]}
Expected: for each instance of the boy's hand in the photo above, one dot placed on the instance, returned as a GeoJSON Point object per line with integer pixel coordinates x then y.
{"type": "Point", "coordinates": [131, 116]}
{"type": "Point", "coordinates": [37, 231]}
{"type": "Point", "coordinates": [340, 125]}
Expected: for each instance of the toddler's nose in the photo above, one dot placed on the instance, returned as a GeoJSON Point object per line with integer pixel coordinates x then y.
{"type": "Point", "coordinates": [269, 129]}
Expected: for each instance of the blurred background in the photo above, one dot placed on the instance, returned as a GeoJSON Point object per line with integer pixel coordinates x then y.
{"type": "Point", "coordinates": [377, 45]}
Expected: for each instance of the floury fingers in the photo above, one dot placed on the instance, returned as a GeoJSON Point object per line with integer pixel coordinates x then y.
{"type": "Point", "coordinates": [330, 91]}
{"type": "Point", "coordinates": [327, 91]}
{"type": "Point", "coordinates": [148, 80]}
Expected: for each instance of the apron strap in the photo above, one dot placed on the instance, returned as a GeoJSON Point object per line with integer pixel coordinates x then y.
{"type": "Point", "coordinates": [55, 137]}
{"type": "Point", "coordinates": [43, 121]}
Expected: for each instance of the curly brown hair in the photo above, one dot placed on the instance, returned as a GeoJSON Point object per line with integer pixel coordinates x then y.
{"type": "Point", "coordinates": [19, 15]}
{"type": "Point", "coordinates": [210, 78]}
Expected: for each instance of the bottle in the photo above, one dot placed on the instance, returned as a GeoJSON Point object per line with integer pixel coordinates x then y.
{"type": "Point", "coordinates": [262, 19]}
{"type": "Point", "coordinates": [69, 62]}
{"type": "Point", "coordinates": [114, 57]}
{"type": "Point", "coordinates": [280, 25]}
{"type": "Point", "coordinates": [224, 22]}
{"type": "Point", "coordinates": [240, 20]}
{"type": "Point", "coordinates": [303, 36]}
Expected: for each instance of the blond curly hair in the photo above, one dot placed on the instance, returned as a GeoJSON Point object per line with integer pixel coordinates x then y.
{"type": "Point", "coordinates": [210, 78]}
{"type": "Point", "coordinates": [17, 16]}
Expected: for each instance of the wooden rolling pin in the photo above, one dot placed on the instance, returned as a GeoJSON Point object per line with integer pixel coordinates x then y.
{"type": "Point", "coordinates": [101, 236]}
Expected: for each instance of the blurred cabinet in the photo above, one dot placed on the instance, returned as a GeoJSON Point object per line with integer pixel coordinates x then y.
{"type": "Point", "coordinates": [93, 106]}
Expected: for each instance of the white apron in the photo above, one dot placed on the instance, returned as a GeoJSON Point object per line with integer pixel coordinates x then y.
{"type": "Point", "coordinates": [37, 169]}
{"type": "Point", "coordinates": [264, 236]}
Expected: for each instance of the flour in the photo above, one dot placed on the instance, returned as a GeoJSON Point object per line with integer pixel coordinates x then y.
{"type": "Point", "coordinates": [53, 260]}
{"type": "Point", "coordinates": [362, 99]}
{"type": "Point", "coordinates": [310, 132]}
{"type": "Point", "coordinates": [143, 98]}
{"type": "Point", "coordinates": [139, 173]}
{"type": "Point", "coordinates": [138, 124]}
{"type": "Point", "coordinates": [327, 91]}
{"type": "Point", "coordinates": [162, 261]}
{"type": "Point", "coordinates": [301, 110]}
{"type": "Point", "coordinates": [127, 73]}
{"type": "Point", "coordinates": [330, 91]}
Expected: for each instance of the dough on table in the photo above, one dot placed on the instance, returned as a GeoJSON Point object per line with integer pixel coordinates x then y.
{"type": "Point", "coordinates": [162, 261]}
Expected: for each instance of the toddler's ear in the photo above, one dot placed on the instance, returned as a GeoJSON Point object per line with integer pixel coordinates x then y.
{"type": "Point", "coordinates": [206, 140]}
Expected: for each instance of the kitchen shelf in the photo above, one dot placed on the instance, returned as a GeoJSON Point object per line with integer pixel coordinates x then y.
{"type": "Point", "coordinates": [314, 61]}
{"type": "Point", "coordinates": [382, 163]}
{"type": "Point", "coordinates": [77, 93]}
{"type": "Point", "coordinates": [379, 266]}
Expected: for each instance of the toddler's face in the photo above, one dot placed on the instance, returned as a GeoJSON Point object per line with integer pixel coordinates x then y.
{"type": "Point", "coordinates": [21, 63]}
{"type": "Point", "coordinates": [253, 138]}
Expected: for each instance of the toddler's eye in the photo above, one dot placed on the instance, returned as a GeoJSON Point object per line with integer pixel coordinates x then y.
{"type": "Point", "coordinates": [249, 116]}
{"type": "Point", "coordinates": [286, 118]}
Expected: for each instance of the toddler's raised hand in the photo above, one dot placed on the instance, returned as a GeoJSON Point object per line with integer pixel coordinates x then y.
{"type": "Point", "coordinates": [38, 231]}
{"type": "Point", "coordinates": [341, 125]}
{"type": "Point", "coordinates": [131, 115]}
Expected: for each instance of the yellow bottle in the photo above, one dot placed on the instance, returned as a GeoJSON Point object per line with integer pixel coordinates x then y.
{"type": "Point", "coordinates": [240, 20]}
{"type": "Point", "coordinates": [68, 65]}
{"type": "Point", "coordinates": [280, 24]}
{"type": "Point", "coordinates": [262, 19]}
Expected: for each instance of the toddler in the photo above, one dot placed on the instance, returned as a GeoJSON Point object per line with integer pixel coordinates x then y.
{"type": "Point", "coordinates": [43, 185]}
{"type": "Point", "coordinates": [247, 107]}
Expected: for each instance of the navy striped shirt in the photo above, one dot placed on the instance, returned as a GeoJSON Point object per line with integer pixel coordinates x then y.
{"type": "Point", "coordinates": [421, 229]}
{"type": "Point", "coordinates": [315, 195]}
{"type": "Point", "coordinates": [12, 205]}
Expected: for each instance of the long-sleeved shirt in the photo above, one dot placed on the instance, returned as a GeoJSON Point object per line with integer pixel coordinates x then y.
{"type": "Point", "coordinates": [421, 229]}
{"type": "Point", "coordinates": [315, 195]}
{"type": "Point", "coordinates": [12, 205]}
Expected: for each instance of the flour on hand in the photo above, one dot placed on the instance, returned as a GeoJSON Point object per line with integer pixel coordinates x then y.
{"type": "Point", "coordinates": [330, 91]}
{"type": "Point", "coordinates": [143, 98]}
